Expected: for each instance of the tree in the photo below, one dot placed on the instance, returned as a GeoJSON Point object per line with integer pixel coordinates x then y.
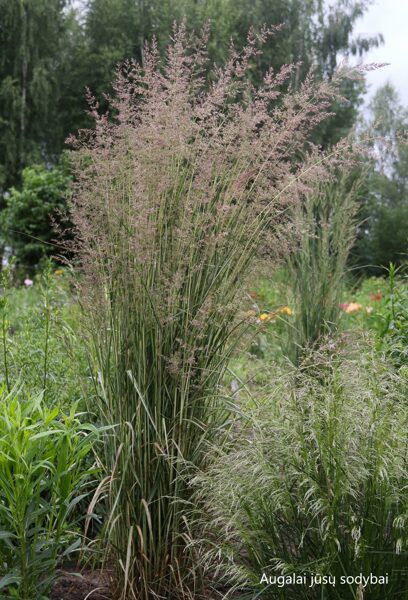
{"type": "Point", "coordinates": [30, 42]}
{"type": "Point", "coordinates": [312, 34]}
{"type": "Point", "coordinates": [383, 236]}
{"type": "Point", "coordinates": [50, 53]}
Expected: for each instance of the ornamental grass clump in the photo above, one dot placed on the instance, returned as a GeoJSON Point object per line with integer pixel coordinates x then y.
{"type": "Point", "coordinates": [315, 483]}
{"type": "Point", "coordinates": [174, 192]}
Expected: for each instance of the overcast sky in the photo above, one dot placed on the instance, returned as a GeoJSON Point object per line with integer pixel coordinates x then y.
{"type": "Point", "coordinates": [389, 17]}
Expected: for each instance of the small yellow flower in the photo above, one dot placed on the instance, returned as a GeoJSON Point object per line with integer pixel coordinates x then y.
{"type": "Point", "coordinates": [264, 317]}
{"type": "Point", "coordinates": [286, 310]}
{"type": "Point", "coordinates": [59, 272]}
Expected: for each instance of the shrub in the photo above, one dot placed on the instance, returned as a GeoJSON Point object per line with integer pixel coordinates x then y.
{"type": "Point", "coordinates": [42, 478]}
{"type": "Point", "coordinates": [173, 196]}
{"type": "Point", "coordinates": [29, 219]}
{"type": "Point", "coordinates": [314, 481]}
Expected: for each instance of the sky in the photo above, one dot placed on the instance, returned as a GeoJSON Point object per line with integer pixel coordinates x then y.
{"type": "Point", "coordinates": [389, 17]}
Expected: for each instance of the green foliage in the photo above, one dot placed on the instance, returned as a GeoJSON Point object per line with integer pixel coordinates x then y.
{"type": "Point", "coordinates": [380, 305]}
{"type": "Point", "coordinates": [109, 32]}
{"type": "Point", "coordinates": [40, 347]}
{"type": "Point", "coordinates": [369, 303]}
{"type": "Point", "coordinates": [314, 35]}
{"type": "Point", "coordinates": [314, 481]}
{"type": "Point", "coordinates": [267, 314]}
{"type": "Point", "coordinates": [4, 303]}
{"type": "Point", "coordinates": [394, 334]}
{"type": "Point", "coordinates": [52, 50]}
{"type": "Point", "coordinates": [31, 215]}
{"type": "Point", "coordinates": [42, 478]}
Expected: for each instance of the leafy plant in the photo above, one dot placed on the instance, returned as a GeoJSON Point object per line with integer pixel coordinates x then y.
{"type": "Point", "coordinates": [42, 478]}
{"type": "Point", "coordinates": [173, 197]}
{"type": "Point", "coordinates": [394, 333]}
{"type": "Point", "coordinates": [364, 306]}
{"type": "Point", "coordinates": [4, 302]}
{"type": "Point", "coordinates": [314, 482]}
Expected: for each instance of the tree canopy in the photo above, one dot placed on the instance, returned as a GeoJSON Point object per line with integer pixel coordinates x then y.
{"type": "Point", "coordinates": [384, 230]}
{"type": "Point", "coordinates": [51, 51]}
{"type": "Point", "coordinates": [31, 43]}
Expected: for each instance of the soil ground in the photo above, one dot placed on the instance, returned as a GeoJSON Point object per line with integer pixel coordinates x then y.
{"type": "Point", "coordinates": [91, 585]}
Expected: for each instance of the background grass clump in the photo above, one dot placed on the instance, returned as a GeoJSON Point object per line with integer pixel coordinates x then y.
{"type": "Point", "coordinates": [317, 267]}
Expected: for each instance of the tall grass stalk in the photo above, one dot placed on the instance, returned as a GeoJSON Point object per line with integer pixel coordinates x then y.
{"type": "Point", "coordinates": [173, 196]}
{"type": "Point", "coordinates": [47, 315]}
{"type": "Point", "coordinates": [326, 222]}
{"type": "Point", "coordinates": [5, 285]}
{"type": "Point", "coordinates": [37, 336]}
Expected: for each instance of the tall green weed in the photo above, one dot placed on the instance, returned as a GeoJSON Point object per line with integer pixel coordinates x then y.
{"type": "Point", "coordinates": [40, 348]}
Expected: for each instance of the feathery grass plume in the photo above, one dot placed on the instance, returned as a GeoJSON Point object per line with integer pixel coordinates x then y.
{"type": "Point", "coordinates": [174, 193]}
{"type": "Point", "coordinates": [315, 483]}
{"type": "Point", "coordinates": [327, 227]}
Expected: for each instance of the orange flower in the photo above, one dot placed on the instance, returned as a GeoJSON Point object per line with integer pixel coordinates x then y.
{"type": "Point", "coordinates": [352, 307]}
{"type": "Point", "coordinates": [376, 297]}
{"type": "Point", "coordinates": [286, 310]}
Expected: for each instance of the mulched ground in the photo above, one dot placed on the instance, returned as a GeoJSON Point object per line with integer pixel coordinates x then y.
{"type": "Point", "coordinates": [91, 585]}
